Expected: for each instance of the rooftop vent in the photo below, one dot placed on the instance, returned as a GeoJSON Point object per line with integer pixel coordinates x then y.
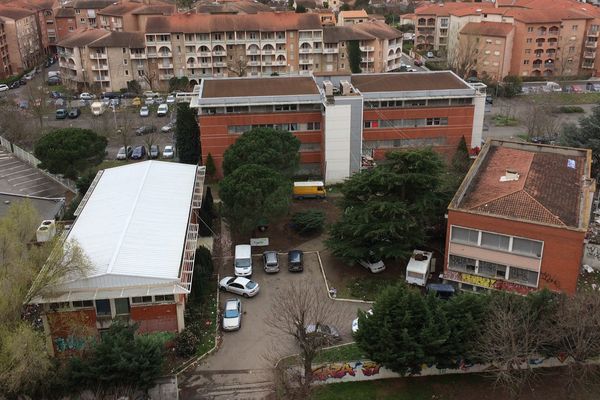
{"type": "Point", "coordinates": [510, 176]}
{"type": "Point", "coordinates": [328, 87]}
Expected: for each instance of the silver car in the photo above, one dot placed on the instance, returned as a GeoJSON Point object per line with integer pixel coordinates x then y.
{"type": "Point", "coordinates": [271, 262]}
{"type": "Point", "coordinates": [239, 285]}
{"type": "Point", "coordinates": [232, 315]}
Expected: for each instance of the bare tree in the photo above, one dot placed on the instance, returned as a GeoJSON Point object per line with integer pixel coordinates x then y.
{"type": "Point", "coordinates": [294, 309]}
{"type": "Point", "coordinates": [124, 129]}
{"type": "Point", "coordinates": [150, 140]}
{"type": "Point", "coordinates": [462, 57]}
{"type": "Point", "coordinates": [238, 66]}
{"type": "Point", "coordinates": [540, 118]}
{"type": "Point", "coordinates": [37, 97]}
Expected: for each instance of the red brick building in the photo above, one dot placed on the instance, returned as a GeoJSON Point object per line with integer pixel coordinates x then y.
{"type": "Point", "coordinates": [341, 118]}
{"type": "Point", "coordinates": [138, 227]}
{"type": "Point", "coordinates": [519, 219]}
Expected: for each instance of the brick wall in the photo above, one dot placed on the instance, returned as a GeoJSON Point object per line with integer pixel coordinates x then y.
{"type": "Point", "coordinates": [156, 317]}
{"type": "Point", "coordinates": [69, 329]}
{"type": "Point", "coordinates": [562, 251]}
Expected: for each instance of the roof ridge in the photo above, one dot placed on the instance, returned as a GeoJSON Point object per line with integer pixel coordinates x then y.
{"type": "Point", "coordinates": [128, 222]}
{"type": "Point", "coordinates": [494, 199]}
{"type": "Point", "coordinates": [543, 206]}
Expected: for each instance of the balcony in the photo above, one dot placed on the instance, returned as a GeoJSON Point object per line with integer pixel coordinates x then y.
{"type": "Point", "coordinates": [103, 78]}
{"type": "Point", "coordinates": [589, 54]}
{"type": "Point", "coordinates": [219, 64]}
{"type": "Point", "coordinates": [268, 52]}
{"type": "Point", "coordinates": [138, 56]}
{"type": "Point", "coordinates": [253, 51]}
{"type": "Point", "coordinates": [165, 66]}
{"type": "Point", "coordinates": [280, 63]}
{"type": "Point", "coordinates": [367, 48]}
{"type": "Point", "coordinates": [165, 77]}
{"type": "Point", "coordinates": [593, 33]}
{"type": "Point", "coordinates": [591, 45]}
{"type": "Point", "coordinates": [280, 39]}
{"type": "Point", "coordinates": [205, 65]}
{"type": "Point", "coordinates": [331, 50]}
{"type": "Point", "coordinates": [253, 63]}
{"type": "Point", "coordinates": [204, 53]}
{"type": "Point", "coordinates": [219, 53]}
{"type": "Point", "coordinates": [305, 50]}
{"type": "Point", "coordinates": [305, 61]}
{"type": "Point", "coordinates": [318, 50]}
{"type": "Point", "coordinates": [98, 56]}
{"type": "Point", "coordinates": [587, 65]}
{"type": "Point", "coordinates": [367, 59]}
{"type": "Point", "coordinates": [103, 67]}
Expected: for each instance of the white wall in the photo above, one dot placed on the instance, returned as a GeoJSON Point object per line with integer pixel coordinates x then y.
{"type": "Point", "coordinates": [337, 142]}
{"type": "Point", "coordinates": [478, 114]}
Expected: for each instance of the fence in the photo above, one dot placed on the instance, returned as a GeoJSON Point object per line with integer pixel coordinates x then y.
{"type": "Point", "coordinates": [34, 162]}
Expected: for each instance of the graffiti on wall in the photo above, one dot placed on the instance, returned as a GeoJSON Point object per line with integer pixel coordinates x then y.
{"type": "Point", "coordinates": [68, 343]}
{"type": "Point", "coordinates": [488, 283]}
{"type": "Point", "coordinates": [340, 370]}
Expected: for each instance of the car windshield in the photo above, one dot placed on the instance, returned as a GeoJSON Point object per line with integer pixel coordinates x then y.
{"type": "Point", "coordinates": [243, 263]}
{"type": "Point", "coordinates": [122, 150]}
{"type": "Point", "coordinates": [231, 313]}
{"type": "Point", "coordinates": [251, 285]}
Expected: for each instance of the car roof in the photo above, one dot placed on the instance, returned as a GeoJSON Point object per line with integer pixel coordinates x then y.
{"type": "Point", "coordinates": [231, 304]}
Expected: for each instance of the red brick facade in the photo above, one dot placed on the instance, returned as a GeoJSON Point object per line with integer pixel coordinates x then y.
{"type": "Point", "coordinates": [69, 330]}
{"type": "Point", "coordinates": [155, 318]}
{"type": "Point", "coordinates": [561, 258]}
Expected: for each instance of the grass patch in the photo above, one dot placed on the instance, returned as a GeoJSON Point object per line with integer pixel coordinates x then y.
{"type": "Point", "coordinates": [569, 98]}
{"type": "Point", "coordinates": [380, 390]}
{"type": "Point", "coordinates": [504, 120]}
{"type": "Point", "coordinates": [570, 109]}
{"type": "Point", "coordinates": [111, 163]}
{"type": "Point", "coordinates": [348, 352]}
{"type": "Point", "coordinates": [365, 288]}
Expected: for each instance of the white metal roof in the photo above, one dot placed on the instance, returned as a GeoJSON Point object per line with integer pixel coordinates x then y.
{"type": "Point", "coordinates": [419, 266]}
{"type": "Point", "coordinates": [133, 227]}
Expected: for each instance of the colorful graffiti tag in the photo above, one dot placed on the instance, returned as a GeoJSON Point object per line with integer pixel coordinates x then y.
{"type": "Point", "coordinates": [487, 282]}
{"type": "Point", "coordinates": [340, 370]}
{"type": "Point", "coordinates": [69, 343]}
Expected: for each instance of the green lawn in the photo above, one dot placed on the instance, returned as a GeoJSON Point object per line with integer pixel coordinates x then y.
{"type": "Point", "coordinates": [568, 98]}
{"type": "Point", "coordinates": [379, 390]}
{"type": "Point", "coordinates": [365, 288]}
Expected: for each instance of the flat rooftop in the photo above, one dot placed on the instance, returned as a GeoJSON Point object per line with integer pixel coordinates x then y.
{"type": "Point", "coordinates": [46, 208]}
{"type": "Point", "coordinates": [408, 81]}
{"type": "Point", "coordinates": [244, 87]}
{"type": "Point", "coordinates": [552, 187]}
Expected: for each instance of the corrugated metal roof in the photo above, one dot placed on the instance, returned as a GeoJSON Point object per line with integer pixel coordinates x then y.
{"type": "Point", "coordinates": [133, 227]}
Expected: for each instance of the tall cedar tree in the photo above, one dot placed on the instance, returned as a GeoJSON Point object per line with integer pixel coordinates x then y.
{"type": "Point", "coordinates": [461, 161]}
{"type": "Point", "coordinates": [252, 194]}
{"type": "Point", "coordinates": [388, 208]}
{"type": "Point", "coordinates": [586, 135]}
{"type": "Point", "coordinates": [188, 135]}
{"type": "Point", "coordinates": [211, 168]}
{"type": "Point", "coordinates": [70, 151]}
{"type": "Point", "coordinates": [207, 215]}
{"type": "Point", "coordinates": [354, 56]}
{"type": "Point", "coordinates": [271, 148]}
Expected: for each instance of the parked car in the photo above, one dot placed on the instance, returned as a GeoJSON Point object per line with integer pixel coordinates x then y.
{"type": "Point", "coordinates": [59, 103]}
{"type": "Point", "coordinates": [136, 102]}
{"type": "Point", "coordinates": [111, 95]}
{"type": "Point", "coordinates": [168, 152]}
{"type": "Point", "coordinates": [163, 110]}
{"type": "Point", "coordinates": [139, 152]}
{"type": "Point", "coordinates": [242, 260]}
{"type": "Point", "coordinates": [171, 99]}
{"type": "Point", "coordinates": [105, 101]}
{"type": "Point", "coordinates": [150, 93]}
{"type": "Point", "coordinates": [56, 95]}
{"type": "Point", "coordinates": [15, 85]}
{"type": "Point", "coordinates": [442, 290]}
{"type": "Point", "coordinates": [232, 315]}
{"type": "Point", "coordinates": [54, 80]}
{"type": "Point", "coordinates": [430, 54]}
{"type": "Point", "coordinates": [355, 321]}
{"type": "Point", "coordinates": [74, 113]}
{"type": "Point", "coordinates": [373, 263]}
{"type": "Point", "coordinates": [144, 111]}
{"type": "Point", "coordinates": [3, 87]}
{"type": "Point", "coordinates": [61, 113]}
{"type": "Point", "coordinates": [154, 151]}
{"type": "Point", "coordinates": [295, 261]}
{"type": "Point", "coordinates": [168, 127]}
{"type": "Point", "coordinates": [124, 154]}
{"type": "Point", "coordinates": [23, 104]}
{"type": "Point", "coordinates": [410, 69]}
{"type": "Point", "coordinates": [86, 96]}
{"type": "Point", "coordinates": [128, 95]}
{"type": "Point", "coordinates": [575, 89]}
{"type": "Point", "coordinates": [239, 285]}
{"type": "Point", "coordinates": [149, 101]}
{"type": "Point", "coordinates": [328, 332]}
{"type": "Point", "coordinates": [271, 261]}
{"type": "Point", "coordinates": [116, 102]}
{"type": "Point", "coordinates": [418, 63]}
{"type": "Point", "coordinates": [144, 130]}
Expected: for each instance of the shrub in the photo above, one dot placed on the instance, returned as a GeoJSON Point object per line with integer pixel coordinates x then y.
{"type": "Point", "coordinates": [307, 222]}
{"type": "Point", "coordinates": [186, 343]}
{"type": "Point", "coordinates": [570, 109]}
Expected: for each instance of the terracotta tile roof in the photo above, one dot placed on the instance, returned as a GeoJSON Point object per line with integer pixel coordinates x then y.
{"type": "Point", "coordinates": [352, 14]}
{"type": "Point", "coordinates": [548, 190]}
{"type": "Point", "coordinates": [336, 34]}
{"type": "Point", "coordinates": [92, 4]}
{"type": "Point", "coordinates": [66, 12]}
{"type": "Point", "coordinates": [206, 23]}
{"type": "Point", "coordinates": [119, 9]}
{"type": "Point", "coordinates": [408, 81]}
{"type": "Point", "coordinates": [15, 13]}
{"type": "Point", "coordinates": [238, 7]}
{"type": "Point", "coordinates": [378, 29]}
{"type": "Point", "coordinates": [82, 37]}
{"type": "Point", "coordinates": [446, 9]}
{"type": "Point", "coordinates": [275, 86]}
{"type": "Point", "coordinates": [131, 40]}
{"type": "Point", "coordinates": [32, 4]}
{"type": "Point", "coordinates": [166, 9]}
{"type": "Point", "coordinates": [498, 29]}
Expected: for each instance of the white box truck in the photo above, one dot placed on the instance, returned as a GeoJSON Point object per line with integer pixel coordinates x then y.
{"type": "Point", "coordinates": [98, 108]}
{"type": "Point", "coordinates": [242, 263]}
{"type": "Point", "coordinates": [419, 266]}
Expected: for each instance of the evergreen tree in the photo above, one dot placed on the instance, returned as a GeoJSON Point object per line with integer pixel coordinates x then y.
{"type": "Point", "coordinates": [187, 134]}
{"type": "Point", "coordinates": [207, 214]}
{"type": "Point", "coordinates": [461, 161]}
{"type": "Point", "coordinates": [211, 168]}
{"type": "Point", "coordinates": [354, 56]}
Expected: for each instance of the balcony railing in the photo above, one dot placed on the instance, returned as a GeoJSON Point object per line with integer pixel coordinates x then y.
{"type": "Point", "coordinates": [305, 61]}
{"type": "Point", "coordinates": [165, 66]}
{"type": "Point", "coordinates": [98, 56]}
{"type": "Point", "coordinates": [591, 44]}
{"type": "Point", "coordinates": [331, 50]}
{"type": "Point", "coordinates": [165, 77]}
{"type": "Point", "coordinates": [219, 53]}
{"type": "Point", "coordinates": [366, 48]}
{"type": "Point", "coordinates": [305, 50]}
{"type": "Point", "coordinates": [100, 67]}
{"type": "Point", "coordinates": [589, 54]}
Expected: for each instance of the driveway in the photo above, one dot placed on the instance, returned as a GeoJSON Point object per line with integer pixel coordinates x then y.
{"type": "Point", "coordinates": [241, 366]}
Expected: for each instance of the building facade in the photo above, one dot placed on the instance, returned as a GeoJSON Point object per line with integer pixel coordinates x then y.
{"type": "Point", "coordinates": [340, 119]}
{"type": "Point", "coordinates": [144, 282]}
{"type": "Point", "coordinates": [519, 219]}
{"type": "Point", "coordinates": [22, 38]}
{"type": "Point", "coordinates": [490, 45]}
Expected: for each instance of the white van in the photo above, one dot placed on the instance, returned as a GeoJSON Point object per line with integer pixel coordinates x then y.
{"type": "Point", "coordinates": [98, 108]}
{"type": "Point", "coordinates": [418, 268]}
{"type": "Point", "coordinates": [242, 263]}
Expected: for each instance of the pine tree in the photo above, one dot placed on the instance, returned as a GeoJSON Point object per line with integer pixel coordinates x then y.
{"type": "Point", "coordinates": [188, 135]}
{"type": "Point", "coordinates": [211, 168]}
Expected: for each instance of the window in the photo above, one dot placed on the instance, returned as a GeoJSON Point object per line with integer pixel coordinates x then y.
{"type": "Point", "coordinates": [527, 247]}
{"type": "Point", "coordinates": [492, 270]}
{"type": "Point", "coordinates": [285, 107]}
{"type": "Point", "coordinates": [126, 72]}
{"type": "Point", "coordinates": [59, 305]}
{"type": "Point", "coordinates": [125, 62]}
{"type": "Point", "coordinates": [371, 124]}
{"type": "Point", "coordinates": [525, 62]}
{"type": "Point", "coordinates": [83, 304]}
{"type": "Point", "coordinates": [530, 29]}
{"type": "Point", "coordinates": [459, 263]}
{"type": "Point", "coordinates": [437, 121]}
{"type": "Point", "coordinates": [122, 306]}
{"type": "Point", "coordinates": [164, 297]}
{"type": "Point", "coordinates": [574, 28]}
{"type": "Point", "coordinates": [571, 49]}
{"type": "Point", "coordinates": [103, 307]}
{"type": "Point", "coordinates": [494, 241]}
{"type": "Point", "coordinates": [313, 126]}
{"type": "Point", "coordinates": [527, 51]}
{"type": "Point", "coordinates": [523, 276]}
{"type": "Point", "coordinates": [464, 235]}
{"type": "Point", "coordinates": [141, 299]}
{"type": "Point", "coordinates": [529, 40]}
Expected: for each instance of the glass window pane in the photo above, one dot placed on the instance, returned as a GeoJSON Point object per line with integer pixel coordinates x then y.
{"type": "Point", "coordinates": [122, 306]}
{"type": "Point", "coordinates": [494, 241]}
{"type": "Point", "coordinates": [464, 235]}
{"type": "Point", "coordinates": [523, 276]}
{"type": "Point", "coordinates": [459, 263]}
{"type": "Point", "coordinates": [103, 307]}
{"type": "Point", "coordinates": [527, 247]}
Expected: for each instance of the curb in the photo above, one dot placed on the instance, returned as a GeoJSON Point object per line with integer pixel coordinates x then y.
{"type": "Point", "coordinates": [329, 289]}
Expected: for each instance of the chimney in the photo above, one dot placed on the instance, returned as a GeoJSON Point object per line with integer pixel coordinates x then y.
{"type": "Point", "coordinates": [509, 176]}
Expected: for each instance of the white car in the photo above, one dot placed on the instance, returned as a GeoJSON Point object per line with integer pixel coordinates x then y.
{"type": "Point", "coordinates": [149, 101]}
{"type": "Point", "coordinates": [239, 285]}
{"type": "Point", "coordinates": [144, 111]}
{"type": "Point", "coordinates": [168, 152]}
{"type": "Point", "coordinates": [3, 88]}
{"type": "Point", "coordinates": [232, 315]}
{"type": "Point", "coordinates": [355, 322]}
{"type": "Point", "coordinates": [373, 264]}
{"type": "Point", "coordinates": [163, 110]}
{"type": "Point", "coordinates": [86, 96]}
{"type": "Point", "coordinates": [168, 127]}
{"type": "Point", "coordinates": [150, 93]}
{"type": "Point", "coordinates": [170, 99]}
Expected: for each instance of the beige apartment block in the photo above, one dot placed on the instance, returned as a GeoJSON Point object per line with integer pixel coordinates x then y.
{"type": "Point", "coordinates": [490, 44]}
{"type": "Point", "coordinates": [22, 38]}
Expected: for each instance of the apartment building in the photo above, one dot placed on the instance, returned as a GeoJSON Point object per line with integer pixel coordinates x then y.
{"type": "Point", "coordinates": [5, 67]}
{"type": "Point", "coordinates": [101, 59]}
{"type": "Point", "coordinates": [352, 17]}
{"type": "Point", "coordinates": [131, 16]}
{"type": "Point", "coordinates": [64, 22]}
{"type": "Point", "coordinates": [22, 38]}
{"type": "Point", "coordinates": [230, 7]}
{"type": "Point", "coordinates": [137, 281]}
{"type": "Point", "coordinates": [45, 21]}
{"type": "Point", "coordinates": [490, 45]}
{"type": "Point", "coordinates": [86, 11]}
{"type": "Point", "coordinates": [368, 115]}
{"type": "Point", "coordinates": [519, 219]}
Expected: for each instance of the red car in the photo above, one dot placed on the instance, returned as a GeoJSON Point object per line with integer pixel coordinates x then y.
{"type": "Point", "coordinates": [418, 63]}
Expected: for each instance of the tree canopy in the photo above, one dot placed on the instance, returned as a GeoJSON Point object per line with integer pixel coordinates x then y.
{"type": "Point", "coordinates": [70, 151]}
{"type": "Point", "coordinates": [187, 135]}
{"type": "Point", "coordinates": [586, 135]}
{"type": "Point", "coordinates": [387, 209]}
{"type": "Point", "coordinates": [252, 194]}
{"type": "Point", "coordinates": [271, 148]}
